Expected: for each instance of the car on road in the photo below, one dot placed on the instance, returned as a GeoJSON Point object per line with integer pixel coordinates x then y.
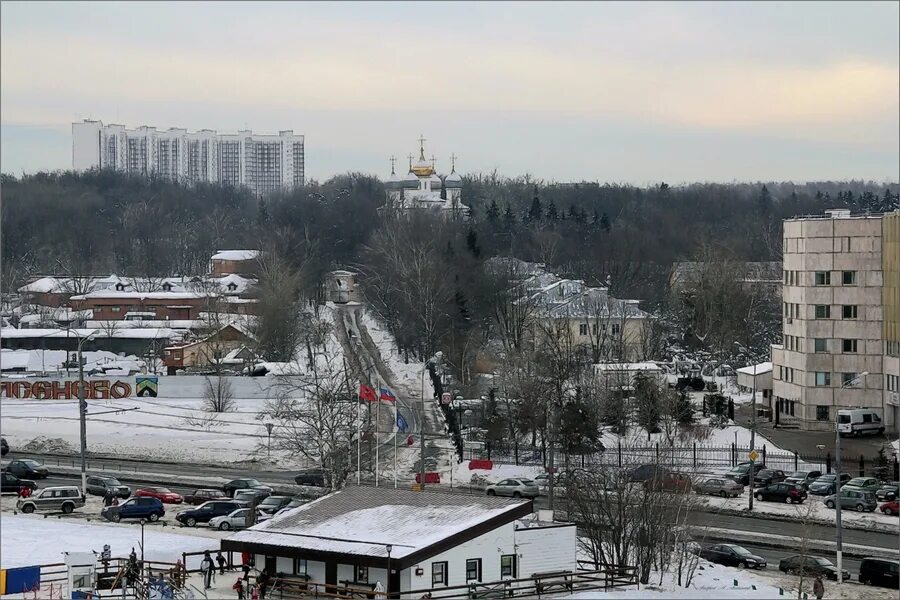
{"type": "Point", "coordinates": [891, 507]}
{"type": "Point", "coordinates": [12, 484]}
{"type": "Point", "coordinates": [27, 469]}
{"type": "Point", "coordinates": [515, 487]}
{"type": "Point", "coordinates": [768, 477]}
{"type": "Point", "coordinates": [243, 484]}
{"type": "Point", "coordinates": [206, 511]}
{"type": "Point", "coordinates": [236, 519]}
{"type": "Point", "coordinates": [888, 491]}
{"type": "Point", "coordinates": [150, 509]}
{"type": "Point", "coordinates": [803, 478]}
{"type": "Point", "coordinates": [781, 492]}
{"type": "Point", "coordinates": [868, 484]}
{"type": "Point", "coordinates": [669, 482]}
{"type": "Point", "coordinates": [164, 495]}
{"type": "Point", "coordinates": [719, 486]}
{"type": "Point", "coordinates": [250, 496]}
{"type": "Point", "coordinates": [811, 565]}
{"type": "Point", "coordinates": [313, 477]}
{"type": "Point", "coordinates": [741, 473]}
{"type": "Point", "coordinates": [880, 571]}
{"type": "Point", "coordinates": [99, 486]}
{"type": "Point", "coordinates": [64, 498]}
{"type": "Point", "coordinates": [4, 447]}
{"type": "Point", "coordinates": [199, 496]}
{"type": "Point", "coordinates": [824, 485]}
{"type": "Point", "coordinates": [732, 555]}
{"type": "Point", "coordinates": [273, 504]}
{"type": "Point", "coordinates": [858, 500]}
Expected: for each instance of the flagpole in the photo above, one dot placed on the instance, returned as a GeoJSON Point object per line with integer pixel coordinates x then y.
{"type": "Point", "coordinates": [377, 445]}
{"type": "Point", "coordinates": [396, 431]}
{"type": "Point", "coordinates": [358, 438]}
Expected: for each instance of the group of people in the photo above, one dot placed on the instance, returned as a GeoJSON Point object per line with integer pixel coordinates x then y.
{"type": "Point", "coordinates": [110, 498]}
{"type": "Point", "coordinates": [208, 568]}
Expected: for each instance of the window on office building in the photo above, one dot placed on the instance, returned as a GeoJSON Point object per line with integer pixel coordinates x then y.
{"type": "Point", "coordinates": [822, 413]}
{"type": "Point", "coordinates": [823, 378]}
{"type": "Point", "coordinates": [849, 346]}
{"type": "Point", "coordinates": [508, 565]}
{"type": "Point", "coordinates": [821, 345]}
{"type": "Point", "coordinates": [473, 569]}
{"type": "Point", "coordinates": [848, 379]}
{"type": "Point", "coordinates": [582, 329]}
{"type": "Point", "coordinates": [823, 311]}
{"type": "Point", "coordinates": [848, 311]}
{"type": "Point", "coordinates": [848, 277]}
{"type": "Point", "coordinates": [823, 277]}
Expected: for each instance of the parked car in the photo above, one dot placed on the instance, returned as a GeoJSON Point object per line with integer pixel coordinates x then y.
{"type": "Point", "coordinates": [242, 484]}
{"type": "Point", "coordinates": [314, 477]}
{"type": "Point", "coordinates": [719, 486]}
{"type": "Point", "coordinates": [645, 472]}
{"type": "Point", "coordinates": [294, 503]}
{"type": "Point", "coordinates": [249, 496]}
{"type": "Point", "coordinates": [880, 571]}
{"type": "Point", "coordinates": [202, 495]}
{"type": "Point", "coordinates": [741, 473]}
{"type": "Point", "coordinates": [868, 484]}
{"type": "Point", "coordinates": [517, 488]}
{"type": "Point", "coordinates": [669, 482]}
{"type": "Point", "coordinates": [859, 500]}
{"type": "Point", "coordinates": [768, 477]}
{"type": "Point", "coordinates": [273, 504]}
{"type": "Point", "coordinates": [803, 478]}
{"type": "Point", "coordinates": [891, 508]}
{"type": "Point", "coordinates": [98, 486]}
{"type": "Point", "coordinates": [164, 495]}
{"type": "Point", "coordinates": [12, 484]}
{"type": "Point", "coordinates": [811, 565]}
{"type": "Point", "coordinates": [824, 485]}
{"type": "Point", "coordinates": [732, 556]}
{"type": "Point", "coordinates": [859, 421]}
{"type": "Point", "coordinates": [150, 509]}
{"type": "Point", "coordinates": [206, 511]}
{"type": "Point", "coordinates": [888, 491]}
{"type": "Point", "coordinates": [27, 469]}
{"type": "Point", "coordinates": [236, 519]}
{"type": "Point", "coordinates": [4, 447]}
{"type": "Point", "coordinates": [781, 492]}
{"type": "Point", "coordinates": [65, 498]}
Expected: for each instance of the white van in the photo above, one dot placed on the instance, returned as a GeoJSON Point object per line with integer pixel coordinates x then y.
{"type": "Point", "coordinates": [859, 421]}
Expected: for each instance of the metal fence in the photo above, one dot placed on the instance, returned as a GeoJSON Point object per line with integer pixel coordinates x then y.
{"type": "Point", "coordinates": [696, 457]}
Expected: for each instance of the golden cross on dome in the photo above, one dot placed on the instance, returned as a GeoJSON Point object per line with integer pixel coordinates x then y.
{"type": "Point", "coordinates": [453, 163]}
{"type": "Point", "coordinates": [393, 160]}
{"type": "Point", "coordinates": [421, 147]}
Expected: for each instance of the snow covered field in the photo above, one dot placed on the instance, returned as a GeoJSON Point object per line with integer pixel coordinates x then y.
{"type": "Point", "coordinates": [33, 540]}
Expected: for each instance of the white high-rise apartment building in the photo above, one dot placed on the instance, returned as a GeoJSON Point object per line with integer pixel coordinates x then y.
{"type": "Point", "coordinates": [263, 163]}
{"type": "Point", "coordinates": [841, 293]}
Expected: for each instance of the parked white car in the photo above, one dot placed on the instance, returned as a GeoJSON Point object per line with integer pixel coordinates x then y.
{"type": "Point", "coordinates": [236, 519]}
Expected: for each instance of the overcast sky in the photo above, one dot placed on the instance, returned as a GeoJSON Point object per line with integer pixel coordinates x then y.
{"type": "Point", "coordinates": [635, 92]}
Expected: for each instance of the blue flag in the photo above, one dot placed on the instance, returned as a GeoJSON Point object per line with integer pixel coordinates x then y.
{"type": "Point", "coordinates": [401, 423]}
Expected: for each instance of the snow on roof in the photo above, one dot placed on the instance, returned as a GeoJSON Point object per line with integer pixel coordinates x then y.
{"type": "Point", "coordinates": [362, 520]}
{"type": "Point", "coordinates": [43, 285]}
{"type": "Point", "coordinates": [52, 360]}
{"type": "Point", "coordinates": [136, 333]}
{"type": "Point", "coordinates": [142, 295]}
{"type": "Point", "coordinates": [639, 366]}
{"type": "Point", "coordinates": [235, 255]}
{"type": "Point", "coordinates": [765, 367]}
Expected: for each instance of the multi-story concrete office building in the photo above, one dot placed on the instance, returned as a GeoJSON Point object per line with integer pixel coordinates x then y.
{"type": "Point", "coordinates": [263, 163]}
{"type": "Point", "coordinates": [841, 322]}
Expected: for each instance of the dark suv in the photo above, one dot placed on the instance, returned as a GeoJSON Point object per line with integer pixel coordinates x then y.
{"type": "Point", "coordinates": [206, 511]}
{"type": "Point", "coordinates": [741, 473]}
{"type": "Point", "coordinates": [99, 486]}
{"type": "Point", "coordinates": [244, 484]}
{"type": "Point", "coordinates": [11, 483]}
{"type": "Point", "coordinates": [136, 508]}
{"type": "Point", "coordinates": [880, 571]}
{"type": "Point", "coordinates": [315, 477]}
{"type": "Point", "coordinates": [4, 447]}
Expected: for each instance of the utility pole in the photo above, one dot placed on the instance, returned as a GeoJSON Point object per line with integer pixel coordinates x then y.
{"type": "Point", "coordinates": [752, 434]}
{"type": "Point", "coordinates": [422, 433]}
{"type": "Point", "coordinates": [837, 504]}
{"type": "Point", "coordinates": [82, 413]}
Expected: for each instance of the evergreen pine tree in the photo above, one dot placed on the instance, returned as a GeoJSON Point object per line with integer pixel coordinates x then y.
{"type": "Point", "coordinates": [552, 215]}
{"type": "Point", "coordinates": [472, 243]}
{"type": "Point", "coordinates": [882, 468]}
{"type": "Point", "coordinates": [509, 218]}
{"type": "Point", "coordinates": [536, 212]}
{"type": "Point", "coordinates": [493, 212]}
{"type": "Point", "coordinates": [604, 223]}
{"type": "Point", "coordinates": [765, 200]}
{"type": "Point", "coordinates": [573, 212]}
{"type": "Point", "coordinates": [262, 212]}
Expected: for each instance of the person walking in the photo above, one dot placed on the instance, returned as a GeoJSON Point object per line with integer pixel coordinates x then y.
{"type": "Point", "coordinates": [239, 588]}
{"type": "Point", "coordinates": [220, 560]}
{"type": "Point", "coordinates": [818, 588]}
{"type": "Point", "coordinates": [207, 567]}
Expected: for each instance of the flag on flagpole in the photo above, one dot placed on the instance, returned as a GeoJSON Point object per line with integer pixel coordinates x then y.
{"type": "Point", "coordinates": [388, 395]}
{"type": "Point", "coordinates": [367, 393]}
{"type": "Point", "coordinates": [401, 423]}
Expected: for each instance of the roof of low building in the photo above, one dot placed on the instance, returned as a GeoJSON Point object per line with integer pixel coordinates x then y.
{"type": "Point", "coordinates": [765, 367]}
{"type": "Point", "coordinates": [363, 520]}
{"type": "Point", "coordinates": [235, 255]}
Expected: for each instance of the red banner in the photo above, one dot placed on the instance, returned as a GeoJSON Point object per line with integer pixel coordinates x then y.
{"type": "Point", "coordinates": [481, 463]}
{"type": "Point", "coordinates": [429, 477]}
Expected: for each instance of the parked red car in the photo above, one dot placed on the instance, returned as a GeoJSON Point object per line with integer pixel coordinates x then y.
{"type": "Point", "coordinates": [669, 482]}
{"type": "Point", "coordinates": [164, 495]}
{"type": "Point", "coordinates": [891, 508]}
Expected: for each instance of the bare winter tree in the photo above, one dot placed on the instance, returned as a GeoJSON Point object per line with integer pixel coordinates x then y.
{"type": "Point", "coordinates": [314, 416]}
{"type": "Point", "coordinates": [512, 307]}
{"type": "Point", "coordinates": [218, 394]}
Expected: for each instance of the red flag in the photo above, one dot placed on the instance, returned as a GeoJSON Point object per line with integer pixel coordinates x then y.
{"type": "Point", "coordinates": [367, 393]}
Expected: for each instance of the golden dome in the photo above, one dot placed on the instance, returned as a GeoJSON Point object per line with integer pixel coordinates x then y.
{"type": "Point", "coordinates": [422, 168]}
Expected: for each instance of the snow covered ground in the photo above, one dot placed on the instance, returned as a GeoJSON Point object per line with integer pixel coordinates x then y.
{"type": "Point", "coordinates": [33, 540]}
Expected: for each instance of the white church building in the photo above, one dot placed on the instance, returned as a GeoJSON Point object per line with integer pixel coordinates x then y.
{"type": "Point", "coordinates": [423, 189]}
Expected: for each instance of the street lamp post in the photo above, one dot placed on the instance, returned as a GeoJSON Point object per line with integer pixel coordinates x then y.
{"type": "Point", "coordinates": [82, 412]}
{"type": "Point", "coordinates": [752, 457]}
{"type": "Point", "coordinates": [387, 587]}
{"type": "Point", "coordinates": [839, 535]}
